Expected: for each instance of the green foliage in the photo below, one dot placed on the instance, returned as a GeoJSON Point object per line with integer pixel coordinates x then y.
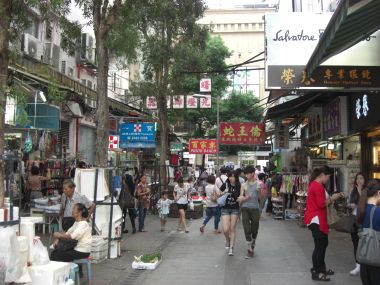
{"type": "Point", "coordinates": [20, 97]}
{"type": "Point", "coordinates": [212, 57]}
{"type": "Point", "coordinates": [151, 257]}
{"type": "Point", "coordinates": [55, 93]}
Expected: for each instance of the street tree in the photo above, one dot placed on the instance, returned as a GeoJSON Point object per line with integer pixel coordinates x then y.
{"type": "Point", "coordinates": [115, 36]}
{"type": "Point", "coordinates": [187, 72]}
{"type": "Point", "coordinates": [168, 29]}
{"type": "Point", "coordinates": [14, 18]}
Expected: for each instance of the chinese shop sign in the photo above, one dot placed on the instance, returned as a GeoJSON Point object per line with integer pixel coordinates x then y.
{"type": "Point", "coordinates": [137, 135]}
{"type": "Point", "coordinates": [113, 142]}
{"type": "Point", "coordinates": [331, 119]}
{"type": "Point", "coordinates": [175, 146]}
{"type": "Point", "coordinates": [295, 76]}
{"type": "Point", "coordinates": [203, 146]}
{"type": "Point", "coordinates": [180, 101]}
{"type": "Point", "coordinates": [205, 85]}
{"type": "Point", "coordinates": [242, 133]}
{"type": "Point", "coordinates": [364, 111]}
{"type": "Point", "coordinates": [281, 136]}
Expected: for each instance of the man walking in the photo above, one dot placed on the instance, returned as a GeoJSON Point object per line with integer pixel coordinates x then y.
{"type": "Point", "coordinates": [250, 208]}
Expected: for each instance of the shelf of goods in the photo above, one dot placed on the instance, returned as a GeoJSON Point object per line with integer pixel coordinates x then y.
{"type": "Point", "coordinates": [278, 208]}
{"type": "Point", "coordinates": [301, 206]}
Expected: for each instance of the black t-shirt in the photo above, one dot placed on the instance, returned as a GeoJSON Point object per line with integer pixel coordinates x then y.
{"type": "Point", "coordinates": [231, 202]}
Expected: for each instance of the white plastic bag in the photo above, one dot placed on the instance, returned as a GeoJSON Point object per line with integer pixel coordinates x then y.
{"type": "Point", "coordinates": [191, 205]}
{"type": "Point", "coordinates": [10, 263]}
{"type": "Point", "coordinates": [40, 254]}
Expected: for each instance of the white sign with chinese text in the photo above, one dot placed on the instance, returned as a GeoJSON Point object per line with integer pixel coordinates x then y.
{"type": "Point", "coordinates": [151, 102]}
{"type": "Point", "coordinates": [178, 102]}
{"type": "Point", "coordinates": [191, 102]}
{"type": "Point", "coordinates": [205, 85]}
{"type": "Point", "coordinates": [205, 102]}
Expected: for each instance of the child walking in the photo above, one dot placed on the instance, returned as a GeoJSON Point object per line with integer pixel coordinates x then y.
{"type": "Point", "coordinates": [163, 206]}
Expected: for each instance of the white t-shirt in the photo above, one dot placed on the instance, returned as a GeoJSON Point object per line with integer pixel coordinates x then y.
{"type": "Point", "coordinates": [164, 206]}
{"type": "Point", "coordinates": [81, 231]}
{"type": "Point", "coordinates": [210, 189]}
{"type": "Point", "coordinates": [220, 180]}
{"type": "Point", "coordinates": [181, 193]}
{"type": "Point", "coordinates": [315, 220]}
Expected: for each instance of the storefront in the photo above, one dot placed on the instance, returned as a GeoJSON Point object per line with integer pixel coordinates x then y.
{"type": "Point", "coordinates": [365, 120]}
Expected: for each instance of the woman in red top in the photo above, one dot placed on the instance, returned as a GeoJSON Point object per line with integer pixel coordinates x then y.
{"type": "Point", "coordinates": [316, 220]}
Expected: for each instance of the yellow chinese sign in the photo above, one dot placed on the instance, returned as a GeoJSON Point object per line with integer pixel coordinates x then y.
{"type": "Point", "coordinates": [242, 133]}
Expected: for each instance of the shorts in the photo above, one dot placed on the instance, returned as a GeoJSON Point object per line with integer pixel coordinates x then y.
{"type": "Point", "coordinates": [228, 212]}
{"type": "Point", "coordinates": [163, 216]}
{"type": "Point", "coordinates": [182, 207]}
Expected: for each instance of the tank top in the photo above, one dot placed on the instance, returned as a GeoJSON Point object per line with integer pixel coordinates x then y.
{"type": "Point", "coordinates": [254, 190]}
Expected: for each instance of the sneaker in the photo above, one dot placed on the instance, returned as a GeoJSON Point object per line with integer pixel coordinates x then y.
{"type": "Point", "coordinates": [231, 252]}
{"type": "Point", "coordinates": [355, 271]}
{"type": "Point", "coordinates": [249, 254]}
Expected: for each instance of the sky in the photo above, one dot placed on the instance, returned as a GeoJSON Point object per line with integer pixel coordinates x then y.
{"type": "Point", "coordinates": [233, 3]}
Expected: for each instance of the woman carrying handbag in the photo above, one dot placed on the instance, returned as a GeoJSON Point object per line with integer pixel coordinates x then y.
{"type": "Point", "coordinates": [316, 219]}
{"type": "Point", "coordinates": [368, 253]}
{"type": "Point", "coordinates": [359, 185]}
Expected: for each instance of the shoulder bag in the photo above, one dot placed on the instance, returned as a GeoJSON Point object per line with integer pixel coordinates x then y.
{"type": "Point", "coordinates": [332, 214]}
{"type": "Point", "coordinates": [346, 224]}
{"type": "Point", "coordinates": [369, 244]}
{"type": "Point", "coordinates": [223, 199]}
{"type": "Point", "coordinates": [66, 244]}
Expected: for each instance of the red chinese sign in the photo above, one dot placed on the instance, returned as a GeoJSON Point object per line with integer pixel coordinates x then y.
{"type": "Point", "coordinates": [205, 85]}
{"type": "Point", "coordinates": [242, 133]}
{"type": "Point", "coordinates": [203, 146]}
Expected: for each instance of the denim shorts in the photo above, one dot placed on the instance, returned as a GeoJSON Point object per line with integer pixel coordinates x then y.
{"type": "Point", "coordinates": [226, 212]}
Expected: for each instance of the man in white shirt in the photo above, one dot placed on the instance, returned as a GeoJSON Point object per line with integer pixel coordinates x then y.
{"type": "Point", "coordinates": [222, 178]}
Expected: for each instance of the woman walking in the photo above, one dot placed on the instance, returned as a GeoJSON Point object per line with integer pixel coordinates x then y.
{"type": "Point", "coordinates": [369, 201]}
{"type": "Point", "coordinates": [231, 211]}
{"type": "Point", "coordinates": [181, 196]}
{"type": "Point", "coordinates": [316, 220]}
{"type": "Point", "coordinates": [359, 185]}
{"type": "Point", "coordinates": [212, 208]}
{"type": "Point", "coordinates": [142, 194]}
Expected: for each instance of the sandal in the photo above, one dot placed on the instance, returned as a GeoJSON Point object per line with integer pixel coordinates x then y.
{"type": "Point", "coordinates": [320, 277]}
{"type": "Point", "coordinates": [330, 272]}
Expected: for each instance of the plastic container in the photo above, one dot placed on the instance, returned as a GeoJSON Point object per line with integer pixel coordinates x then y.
{"type": "Point", "coordinates": [52, 273]}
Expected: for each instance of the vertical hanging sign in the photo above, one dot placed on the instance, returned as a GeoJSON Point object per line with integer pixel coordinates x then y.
{"type": "Point", "coordinates": [205, 85]}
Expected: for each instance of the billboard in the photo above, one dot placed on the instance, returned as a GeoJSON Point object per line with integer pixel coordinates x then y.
{"type": "Point", "coordinates": [137, 135]}
{"type": "Point", "coordinates": [203, 146]}
{"type": "Point", "coordinates": [242, 133]}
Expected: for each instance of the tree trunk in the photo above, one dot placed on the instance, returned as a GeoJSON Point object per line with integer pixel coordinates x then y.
{"type": "Point", "coordinates": [102, 112]}
{"type": "Point", "coordinates": [4, 61]}
{"type": "Point", "coordinates": [164, 136]}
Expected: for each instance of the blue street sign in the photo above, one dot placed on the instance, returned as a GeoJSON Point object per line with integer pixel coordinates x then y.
{"type": "Point", "coordinates": [137, 135]}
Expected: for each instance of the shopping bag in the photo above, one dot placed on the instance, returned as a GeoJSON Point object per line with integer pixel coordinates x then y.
{"type": "Point", "coordinates": [40, 254]}
{"type": "Point", "coordinates": [346, 224]}
{"type": "Point", "coordinates": [223, 199]}
{"type": "Point", "coordinates": [332, 215]}
{"type": "Point", "coordinates": [368, 251]}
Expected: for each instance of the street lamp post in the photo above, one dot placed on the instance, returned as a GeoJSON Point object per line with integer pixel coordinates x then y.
{"type": "Point", "coordinates": [217, 132]}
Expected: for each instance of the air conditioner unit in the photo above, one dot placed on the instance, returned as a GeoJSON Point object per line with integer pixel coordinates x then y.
{"type": "Point", "coordinates": [90, 102]}
{"type": "Point", "coordinates": [52, 53]}
{"type": "Point", "coordinates": [87, 48]}
{"type": "Point", "coordinates": [32, 46]}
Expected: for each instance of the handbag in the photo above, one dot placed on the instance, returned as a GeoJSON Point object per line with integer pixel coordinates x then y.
{"type": "Point", "coordinates": [126, 201]}
{"type": "Point", "coordinates": [223, 199]}
{"type": "Point", "coordinates": [332, 215]}
{"type": "Point", "coordinates": [66, 244]}
{"type": "Point", "coordinates": [346, 224]}
{"type": "Point", "coordinates": [368, 251]}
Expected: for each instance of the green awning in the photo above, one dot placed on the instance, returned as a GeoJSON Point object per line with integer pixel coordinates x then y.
{"type": "Point", "coordinates": [352, 22]}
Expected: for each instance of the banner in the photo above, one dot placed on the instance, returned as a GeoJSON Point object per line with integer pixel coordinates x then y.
{"type": "Point", "coordinates": [242, 134]}
{"type": "Point", "coordinates": [137, 135]}
{"type": "Point", "coordinates": [203, 146]}
{"type": "Point", "coordinates": [205, 102]}
{"type": "Point", "coordinates": [205, 85]}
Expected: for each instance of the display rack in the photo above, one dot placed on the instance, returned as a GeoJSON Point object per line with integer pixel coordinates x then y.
{"type": "Point", "coordinates": [278, 208]}
{"type": "Point", "coordinates": [9, 160]}
{"type": "Point", "coordinates": [301, 207]}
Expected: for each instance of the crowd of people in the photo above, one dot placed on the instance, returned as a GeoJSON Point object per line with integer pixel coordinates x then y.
{"type": "Point", "coordinates": [229, 198]}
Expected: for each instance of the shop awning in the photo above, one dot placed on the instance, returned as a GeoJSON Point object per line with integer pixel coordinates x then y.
{"type": "Point", "coordinates": [352, 22]}
{"type": "Point", "coordinates": [293, 108]}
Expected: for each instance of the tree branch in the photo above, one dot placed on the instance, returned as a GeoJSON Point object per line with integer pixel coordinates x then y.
{"type": "Point", "coordinates": [112, 15]}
